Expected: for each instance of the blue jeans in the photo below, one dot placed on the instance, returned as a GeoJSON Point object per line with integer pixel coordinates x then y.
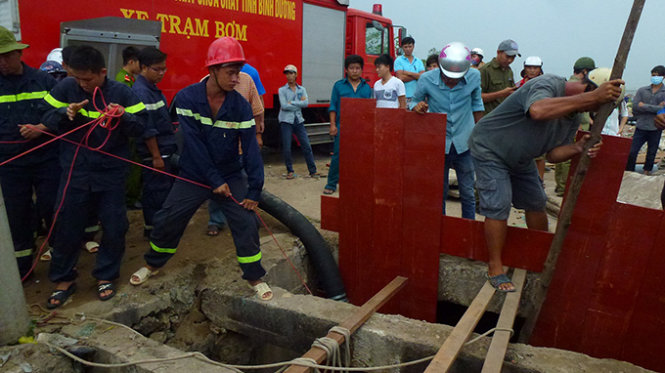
{"type": "Point", "coordinates": [298, 129]}
{"type": "Point", "coordinates": [333, 172]}
{"type": "Point", "coordinates": [463, 166]}
{"type": "Point", "coordinates": [652, 138]}
{"type": "Point", "coordinates": [217, 217]}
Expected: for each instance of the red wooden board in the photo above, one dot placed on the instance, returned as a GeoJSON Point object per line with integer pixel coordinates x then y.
{"type": "Point", "coordinates": [606, 298]}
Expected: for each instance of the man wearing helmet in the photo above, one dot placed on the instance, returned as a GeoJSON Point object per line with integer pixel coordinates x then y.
{"type": "Point", "coordinates": [539, 118]}
{"type": "Point", "coordinates": [453, 89]}
{"type": "Point", "coordinates": [533, 67]}
{"type": "Point", "coordinates": [21, 91]}
{"type": "Point", "coordinates": [477, 58]}
{"type": "Point", "coordinates": [214, 119]}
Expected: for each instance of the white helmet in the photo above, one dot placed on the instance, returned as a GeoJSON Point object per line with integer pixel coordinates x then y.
{"type": "Point", "coordinates": [533, 61]}
{"type": "Point", "coordinates": [478, 51]}
{"type": "Point", "coordinates": [55, 55]}
{"type": "Point", "coordinates": [455, 60]}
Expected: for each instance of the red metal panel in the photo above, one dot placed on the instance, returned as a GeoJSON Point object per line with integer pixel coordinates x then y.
{"type": "Point", "coordinates": [330, 213]}
{"type": "Point", "coordinates": [386, 254]}
{"type": "Point", "coordinates": [525, 248]}
{"type": "Point", "coordinates": [424, 152]}
{"type": "Point", "coordinates": [356, 179]}
{"type": "Point", "coordinates": [188, 28]}
{"type": "Point", "coordinates": [643, 342]}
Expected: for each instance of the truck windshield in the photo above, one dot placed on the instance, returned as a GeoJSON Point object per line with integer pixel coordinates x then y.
{"type": "Point", "coordinates": [376, 40]}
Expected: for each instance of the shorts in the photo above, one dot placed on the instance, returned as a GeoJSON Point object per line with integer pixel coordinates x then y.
{"type": "Point", "coordinates": [499, 186]}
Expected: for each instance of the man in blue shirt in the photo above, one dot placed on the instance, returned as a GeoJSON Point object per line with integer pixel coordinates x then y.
{"type": "Point", "coordinates": [351, 86]}
{"type": "Point", "coordinates": [158, 147]}
{"type": "Point", "coordinates": [453, 89]}
{"type": "Point", "coordinates": [408, 69]}
{"type": "Point", "coordinates": [215, 119]}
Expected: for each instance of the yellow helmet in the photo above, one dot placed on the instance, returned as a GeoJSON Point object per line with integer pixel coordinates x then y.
{"type": "Point", "coordinates": [601, 75]}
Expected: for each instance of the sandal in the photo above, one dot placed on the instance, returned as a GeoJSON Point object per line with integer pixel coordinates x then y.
{"type": "Point", "coordinates": [316, 175]}
{"type": "Point", "coordinates": [263, 291]}
{"type": "Point", "coordinates": [328, 191]}
{"type": "Point", "coordinates": [104, 287]}
{"type": "Point", "coordinates": [291, 175]}
{"type": "Point", "coordinates": [61, 296]}
{"type": "Point", "coordinates": [46, 257]}
{"type": "Point", "coordinates": [142, 275]}
{"type": "Point", "coordinates": [91, 247]}
{"type": "Point", "coordinates": [499, 280]}
{"type": "Point", "coordinates": [213, 230]}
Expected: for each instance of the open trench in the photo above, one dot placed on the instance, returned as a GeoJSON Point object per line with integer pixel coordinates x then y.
{"type": "Point", "coordinates": [208, 308]}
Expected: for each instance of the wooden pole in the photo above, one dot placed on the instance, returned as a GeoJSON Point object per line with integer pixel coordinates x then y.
{"type": "Point", "coordinates": [540, 292]}
{"type": "Point", "coordinates": [353, 322]}
{"type": "Point", "coordinates": [445, 357]}
{"type": "Point", "coordinates": [14, 318]}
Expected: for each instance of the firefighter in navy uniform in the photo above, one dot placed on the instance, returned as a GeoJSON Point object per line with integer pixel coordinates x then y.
{"type": "Point", "coordinates": [22, 89]}
{"type": "Point", "coordinates": [214, 118]}
{"type": "Point", "coordinates": [158, 147]}
{"type": "Point", "coordinates": [97, 180]}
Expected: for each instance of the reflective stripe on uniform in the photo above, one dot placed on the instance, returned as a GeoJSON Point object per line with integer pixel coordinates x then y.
{"type": "Point", "coordinates": [220, 123]}
{"type": "Point", "coordinates": [249, 259]}
{"type": "Point", "coordinates": [23, 96]}
{"type": "Point", "coordinates": [156, 105]}
{"type": "Point", "coordinates": [53, 102]}
{"type": "Point", "coordinates": [162, 250]}
{"type": "Point", "coordinates": [92, 228]}
{"type": "Point", "coordinates": [23, 253]}
{"type": "Point", "coordinates": [135, 108]}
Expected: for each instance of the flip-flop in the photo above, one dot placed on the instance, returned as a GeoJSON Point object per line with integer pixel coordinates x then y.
{"type": "Point", "coordinates": [103, 288]}
{"type": "Point", "coordinates": [498, 280]}
{"type": "Point", "coordinates": [328, 191]}
{"type": "Point", "coordinates": [61, 296]}
{"type": "Point", "coordinates": [291, 176]}
{"type": "Point", "coordinates": [261, 290]}
{"type": "Point", "coordinates": [213, 230]}
{"type": "Point", "coordinates": [91, 247]}
{"type": "Point", "coordinates": [143, 275]}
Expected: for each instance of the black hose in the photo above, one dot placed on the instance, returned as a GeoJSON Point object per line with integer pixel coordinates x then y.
{"type": "Point", "coordinates": [317, 248]}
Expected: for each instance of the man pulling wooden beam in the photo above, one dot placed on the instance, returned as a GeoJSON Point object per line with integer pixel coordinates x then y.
{"type": "Point", "coordinates": [603, 112]}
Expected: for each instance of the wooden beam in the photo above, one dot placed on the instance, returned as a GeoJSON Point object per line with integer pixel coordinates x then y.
{"type": "Point", "coordinates": [499, 345]}
{"type": "Point", "coordinates": [451, 347]}
{"type": "Point", "coordinates": [354, 321]}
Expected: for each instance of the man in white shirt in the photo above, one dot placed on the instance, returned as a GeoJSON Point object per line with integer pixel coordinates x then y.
{"type": "Point", "coordinates": [388, 91]}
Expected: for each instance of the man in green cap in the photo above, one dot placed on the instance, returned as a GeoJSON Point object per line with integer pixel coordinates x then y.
{"type": "Point", "coordinates": [22, 90]}
{"type": "Point", "coordinates": [580, 70]}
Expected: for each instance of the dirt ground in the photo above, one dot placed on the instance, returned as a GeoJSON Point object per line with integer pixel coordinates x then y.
{"type": "Point", "coordinates": [303, 193]}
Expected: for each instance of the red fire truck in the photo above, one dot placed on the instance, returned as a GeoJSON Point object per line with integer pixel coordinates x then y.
{"type": "Point", "coordinates": [314, 35]}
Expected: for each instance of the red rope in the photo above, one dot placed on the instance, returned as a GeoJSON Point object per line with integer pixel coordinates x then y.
{"type": "Point", "coordinates": [109, 120]}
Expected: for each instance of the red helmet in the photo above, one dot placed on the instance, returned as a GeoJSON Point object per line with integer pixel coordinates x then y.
{"type": "Point", "coordinates": [224, 50]}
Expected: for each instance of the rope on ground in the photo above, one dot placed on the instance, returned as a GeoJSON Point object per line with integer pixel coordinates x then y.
{"type": "Point", "coordinates": [306, 362]}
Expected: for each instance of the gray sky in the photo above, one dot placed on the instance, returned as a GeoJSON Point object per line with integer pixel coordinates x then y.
{"type": "Point", "coordinates": [559, 31]}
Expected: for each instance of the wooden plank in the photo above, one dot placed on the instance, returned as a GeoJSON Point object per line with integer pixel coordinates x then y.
{"type": "Point", "coordinates": [451, 347]}
{"type": "Point", "coordinates": [499, 345]}
{"type": "Point", "coordinates": [354, 321]}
